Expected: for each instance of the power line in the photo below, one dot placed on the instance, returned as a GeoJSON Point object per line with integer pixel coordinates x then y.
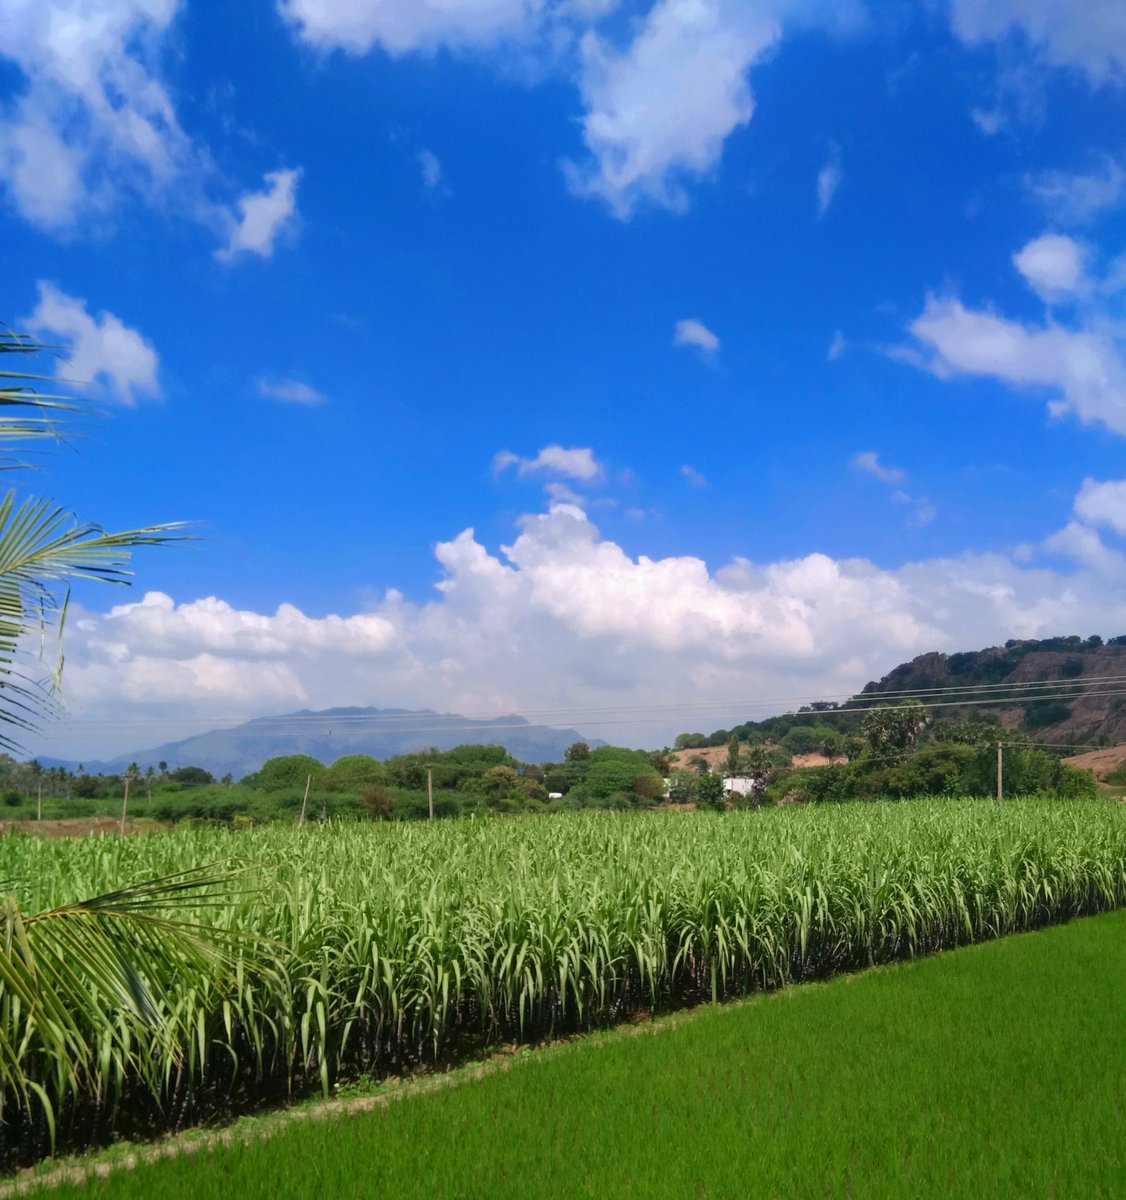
{"type": "Point", "coordinates": [962, 695]}
{"type": "Point", "coordinates": [498, 727]}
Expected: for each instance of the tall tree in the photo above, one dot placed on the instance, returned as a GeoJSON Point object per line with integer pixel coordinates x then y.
{"type": "Point", "coordinates": [892, 731]}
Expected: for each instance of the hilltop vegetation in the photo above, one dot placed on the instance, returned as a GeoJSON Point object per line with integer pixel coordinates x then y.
{"type": "Point", "coordinates": [1058, 689]}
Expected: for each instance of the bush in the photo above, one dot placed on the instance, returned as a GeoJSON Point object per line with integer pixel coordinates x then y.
{"type": "Point", "coordinates": [287, 771]}
{"type": "Point", "coordinates": [378, 800]}
{"type": "Point", "coordinates": [709, 792]}
{"type": "Point", "coordinates": [1040, 713]}
{"type": "Point", "coordinates": [1076, 784]}
{"type": "Point", "coordinates": [353, 773]}
{"type": "Point", "coordinates": [190, 777]}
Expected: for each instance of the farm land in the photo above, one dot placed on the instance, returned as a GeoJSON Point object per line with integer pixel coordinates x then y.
{"type": "Point", "coordinates": [346, 952]}
{"type": "Point", "coordinates": [994, 1070]}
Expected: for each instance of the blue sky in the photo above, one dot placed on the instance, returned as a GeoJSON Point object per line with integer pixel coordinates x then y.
{"type": "Point", "coordinates": [758, 350]}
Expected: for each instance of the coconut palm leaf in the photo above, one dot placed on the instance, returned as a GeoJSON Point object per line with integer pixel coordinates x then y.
{"type": "Point", "coordinates": [42, 548]}
{"type": "Point", "coordinates": [91, 992]}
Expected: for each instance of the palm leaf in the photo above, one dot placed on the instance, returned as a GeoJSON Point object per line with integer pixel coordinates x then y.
{"type": "Point", "coordinates": [90, 992]}
{"type": "Point", "coordinates": [42, 548]}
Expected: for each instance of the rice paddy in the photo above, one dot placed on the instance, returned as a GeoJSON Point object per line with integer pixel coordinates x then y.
{"type": "Point", "coordinates": [354, 950]}
{"type": "Point", "coordinates": [996, 1070]}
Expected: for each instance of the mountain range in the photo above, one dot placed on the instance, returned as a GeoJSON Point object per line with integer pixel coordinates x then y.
{"type": "Point", "coordinates": [333, 732]}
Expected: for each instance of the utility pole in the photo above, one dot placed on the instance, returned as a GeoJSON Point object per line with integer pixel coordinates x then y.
{"type": "Point", "coordinates": [125, 801]}
{"type": "Point", "coordinates": [1000, 777]}
{"type": "Point", "coordinates": [430, 790]}
{"type": "Point", "coordinates": [304, 800]}
{"type": "Point", "coordinates": [39, 803]}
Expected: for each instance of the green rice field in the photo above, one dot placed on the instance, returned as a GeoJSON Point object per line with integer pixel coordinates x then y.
{"type": "Point", "coordinates": [997, 1070]}
{"type": "Point", "coordinates": [369, 950]}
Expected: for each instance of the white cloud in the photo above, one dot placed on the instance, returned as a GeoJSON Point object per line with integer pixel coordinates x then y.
{"type": "Point", "coordinates": [101, 351]}
{"type": "Point", "coordinates": [1090, 36]}
{"type": "Point", "coordinates": [290, 391]}
{"type": "Point", "coordinates": [691, 332]}
{"type": "Point", "coordinates": [560, 493]}
{"type": "Point", "coordinates": [42, 173]}
{"type": "Point", "coordinates": [828, 181]}
{"type": "Point", "coordinates": [1053, 266]}
{"type": "Point", "coordinates": [659, 112]}
{"type": "Point", "coordinates": [401, 26]}
{"type": "Point", "coordinates": [869, 462]}
{"type": "Point", "coordinates": [1085, 368]}
{"type": "Point", "coordinates": [431, 169]}
{"type": "Point", "coordinates": [1103, 503]}
{"type": "Point", "coordinates": [696, 478]}
{"type": "Point", "coordinates": [1074, 198]}
{"type": "Point", "coordinates": [658, 108]}
{"type": "Point", "coordinates": [578, 463]}
{"type": "Point", "coordinates": [836, 347]}
{"type": "Point", "coordinates": [566, 619]}
{"type": "Point", "coordinates": [94, 119]}
{"type": "Point", "coordinates": [91, 123]}
{"type": "Point", "coordinates": [1082, 365]}
{"type": "Point", "coordinates": [264, 217]}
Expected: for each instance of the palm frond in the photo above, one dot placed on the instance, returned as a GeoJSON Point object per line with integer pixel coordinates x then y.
{"type": "Point", "coordinates": [42, 548]}
{"type": "Point", "coordinates": [91, 992]}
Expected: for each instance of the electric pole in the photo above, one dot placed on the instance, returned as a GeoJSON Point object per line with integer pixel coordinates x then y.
{"type": "Point", "coordinates": [304, 800]}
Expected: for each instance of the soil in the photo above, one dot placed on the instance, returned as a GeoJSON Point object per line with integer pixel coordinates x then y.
{"type": "Point", "coordinates": [716, 756]}
{"type": "Point", "coordinates": [1100, 762]}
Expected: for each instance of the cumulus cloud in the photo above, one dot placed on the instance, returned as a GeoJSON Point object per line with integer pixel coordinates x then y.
{"type": "Point", "coordinates": [1053, 266]}
{"type": "Point", "coordinates": [100, 350]}
{"type": "Point", "coordinates": [1088, 37]}
{"type": "Point", "coordinates": [659, 102]}
{"type": "Point", "coordinates": [264, 216]}
{"type": "Point", "coordinates": [1082, 366]}
{"type": "Point", "coordinates": [828, 181]}
{"type": "Point", "coordinates": [869, 462]}
{"type": "Point", "coordinates": [566, 619]}
{"type": "Point", "coordinates": [577, 463]}
{"type": "Point", "coordinates": [93, 118]}
{"type": "Point", "coordinates": [290, 391]}
{"type": "Point", "coordinates": [691, 332]}
{"type": "Point", "coordinates": [1103, 504]}
{"type": "Point", "coordinates": [659, 111]}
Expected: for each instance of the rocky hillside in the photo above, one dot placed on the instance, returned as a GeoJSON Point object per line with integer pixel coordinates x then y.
{"type": "Point", "coordinates": [1066, 690]}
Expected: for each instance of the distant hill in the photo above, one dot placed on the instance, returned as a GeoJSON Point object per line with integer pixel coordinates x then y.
{"type": "Point", "coordinates": [333, 732]}
{"type": "Point", "coordinates": [1081, 701]}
